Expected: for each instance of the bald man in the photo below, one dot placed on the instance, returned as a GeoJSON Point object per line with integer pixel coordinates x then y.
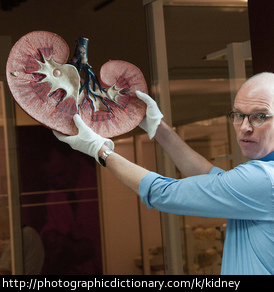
{"type": "Point", "coordinates": [243, 195]}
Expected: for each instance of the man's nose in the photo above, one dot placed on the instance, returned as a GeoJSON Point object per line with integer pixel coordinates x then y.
{"type": "Point", "coordinates": [246, 126]}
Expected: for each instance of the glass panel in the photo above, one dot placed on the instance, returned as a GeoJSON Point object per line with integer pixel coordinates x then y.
{"type": "Point", "coordinates": [120, 222]}
{"type": "Point", "coordinates": [199, 89]}
{"type": "Point", "coordinates": [150, 220]}
{"type": "Point", "coordinates": [160, 92]}
{"type": "Point", "coordinates": [132, 233]}
{"type": "Point", "coordinates": [59, 206]}
{"type": "Point", "coordinates": [203, 238]}
{"type": "Point", "coordinates": [200, 100]}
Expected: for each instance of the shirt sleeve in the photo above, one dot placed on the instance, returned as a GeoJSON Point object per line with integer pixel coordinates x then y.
{"type": "Point", "coordinates": [244, 192]}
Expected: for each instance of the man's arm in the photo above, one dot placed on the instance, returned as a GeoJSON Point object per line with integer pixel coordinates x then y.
{"type": "Point", "coordinates": [127, 172]}
{"type": "Point", "coordinates": [188, 161]}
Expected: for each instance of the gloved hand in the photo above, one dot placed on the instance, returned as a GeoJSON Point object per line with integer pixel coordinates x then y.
{"type": "Point", "coordinates": [153, 115]}
{"type": "Point", "coordinates": [86, 140]}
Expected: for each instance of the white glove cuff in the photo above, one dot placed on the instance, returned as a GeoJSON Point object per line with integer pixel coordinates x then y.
{"type": "Point", "coordinates": [109, 143]}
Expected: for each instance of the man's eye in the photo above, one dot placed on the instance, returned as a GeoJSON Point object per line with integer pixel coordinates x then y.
{"type": "Point", "coordinates": [258, 117]}
{"type": "Point", "coordinates": [239, 115]}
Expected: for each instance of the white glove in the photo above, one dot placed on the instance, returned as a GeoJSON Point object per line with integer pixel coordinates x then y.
{"type": "Point", "coordinates": [153, 115]}
{"type": "Point", "coordinates": [86, 140]}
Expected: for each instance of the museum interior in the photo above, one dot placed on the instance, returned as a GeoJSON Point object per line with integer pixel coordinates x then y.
{"type": "Point", "coordinates": [64, 214]}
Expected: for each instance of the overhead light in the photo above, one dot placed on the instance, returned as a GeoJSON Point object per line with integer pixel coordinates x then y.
{"type": "Point", "coordinates": [234, 3]}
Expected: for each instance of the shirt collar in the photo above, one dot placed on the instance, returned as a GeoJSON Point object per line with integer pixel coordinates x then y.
{"type": "Point", "coordinates": [268, 157]}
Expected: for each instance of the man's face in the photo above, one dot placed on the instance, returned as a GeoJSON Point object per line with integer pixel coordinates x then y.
{"type": "Point", "coordinates": [255, 96]}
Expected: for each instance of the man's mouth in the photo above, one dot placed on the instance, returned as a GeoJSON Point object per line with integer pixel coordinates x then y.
{"type": "Point", "coordinates": [247, 141]}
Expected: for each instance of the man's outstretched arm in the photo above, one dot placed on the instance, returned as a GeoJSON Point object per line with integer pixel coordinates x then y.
{"type": "Point", "coordinates": [188, 161]}
{"type": "Point", "coordinates": [127, 172]}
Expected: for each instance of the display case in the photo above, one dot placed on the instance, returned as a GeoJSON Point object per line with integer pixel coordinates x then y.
{"type": "Point", "coordinates": [200, 55]}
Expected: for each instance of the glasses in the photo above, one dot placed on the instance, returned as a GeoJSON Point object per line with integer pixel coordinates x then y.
{"type": "Point", "coordinates": [255, 120]}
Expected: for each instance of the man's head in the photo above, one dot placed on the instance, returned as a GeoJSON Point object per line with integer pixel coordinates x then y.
{"type": "Point", "coordinates": [256, 96]}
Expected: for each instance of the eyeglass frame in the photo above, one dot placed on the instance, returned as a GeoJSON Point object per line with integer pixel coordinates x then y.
{"type": "Point", "coordinates": [264, 116]}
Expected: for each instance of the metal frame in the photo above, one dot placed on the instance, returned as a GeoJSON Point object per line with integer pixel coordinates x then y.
{"type": "Point", "coordinates": [12, 168]}
{"type": "Point", "coordinates": [233, 3]}
{"type": "Point", "coordinates": [160, 91]}
{"type": "Point", "coordinates": [235, 53]}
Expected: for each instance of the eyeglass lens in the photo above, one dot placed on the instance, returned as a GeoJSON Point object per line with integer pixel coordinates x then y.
{"type": "Point", "coordinates": [254, 119]}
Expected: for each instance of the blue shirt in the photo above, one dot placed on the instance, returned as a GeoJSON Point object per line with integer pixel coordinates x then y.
{"type": "Point", "coordinates": [243, 195]}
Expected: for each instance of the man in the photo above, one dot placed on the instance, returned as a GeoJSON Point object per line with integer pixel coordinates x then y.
{"type": "Point", "coordinates": [243, 195]}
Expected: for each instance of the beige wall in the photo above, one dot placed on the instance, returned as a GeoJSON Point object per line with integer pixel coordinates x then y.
{"type": "Point", "coordinates": [127, 226]}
